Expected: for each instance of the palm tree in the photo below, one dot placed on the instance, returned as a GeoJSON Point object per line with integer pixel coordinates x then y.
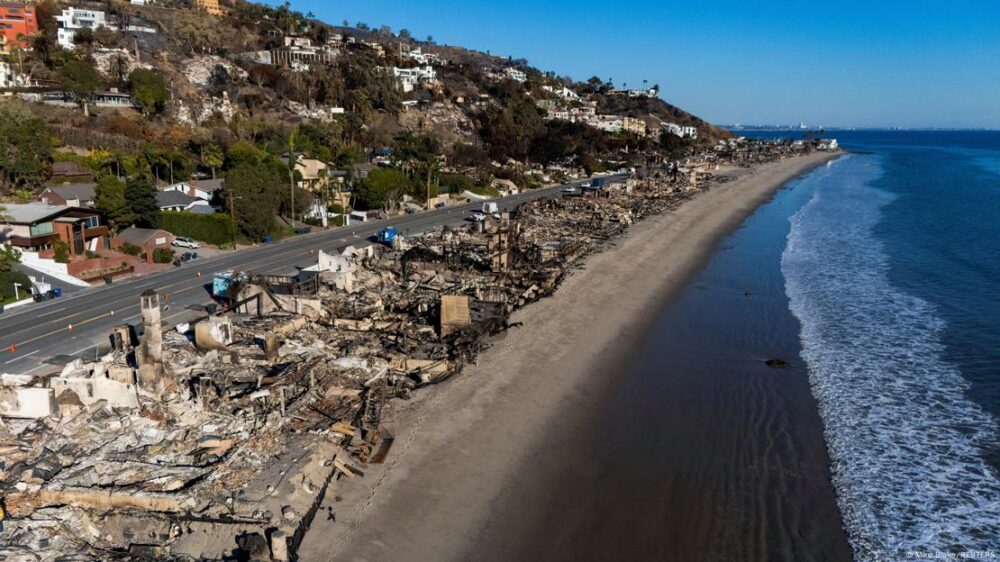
{"type": "Point", "coordinates": [213, 157]}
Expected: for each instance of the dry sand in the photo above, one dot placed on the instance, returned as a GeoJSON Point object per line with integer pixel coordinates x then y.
{"type": "Point", "coordinates": [463, 446]}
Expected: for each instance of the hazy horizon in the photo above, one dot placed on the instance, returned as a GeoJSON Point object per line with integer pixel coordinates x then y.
{"type": "Point", "coordinates": [851, 64]}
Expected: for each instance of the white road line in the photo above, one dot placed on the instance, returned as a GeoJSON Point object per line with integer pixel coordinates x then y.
{"type": "Point", "coordinates": [52, 312]}
{"type": "Point", "coordinates": [21, 357]}
{"type": "Point", "coordinates": [79, 351]}
{"type": "Point", "coordinates": [35, 369]}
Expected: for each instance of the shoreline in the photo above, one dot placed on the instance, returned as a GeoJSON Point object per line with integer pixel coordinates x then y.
{"type": "Point", "coordinates": [463, 447]}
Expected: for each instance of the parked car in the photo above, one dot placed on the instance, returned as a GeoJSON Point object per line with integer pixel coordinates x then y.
{"type": "Point", "coordinates": [189, 256]}
{"type": "Point", "coordinates": [585, 184]}
{"type": "Point", "coordinates": [479, 216]}
{"type": "Point", "coordinates": [182, 242]}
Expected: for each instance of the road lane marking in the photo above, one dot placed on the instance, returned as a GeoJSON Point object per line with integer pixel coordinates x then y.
{"type": "Point", "coordinates": [21, 357]}
{"type": "Point", "coordinates": [51, 313]}
{"type": "Point", "coordinates": [267, 256]}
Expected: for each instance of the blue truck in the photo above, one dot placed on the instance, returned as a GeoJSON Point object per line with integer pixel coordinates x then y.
{"type": "Point", "coordinates": [386, 235]}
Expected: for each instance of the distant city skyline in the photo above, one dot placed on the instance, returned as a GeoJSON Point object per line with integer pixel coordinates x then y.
{"type": "Point", "coordinates": [908, 64]}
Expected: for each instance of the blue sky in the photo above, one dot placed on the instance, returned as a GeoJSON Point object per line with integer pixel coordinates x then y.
{"type": "Point", "coordinates": [909, 63]}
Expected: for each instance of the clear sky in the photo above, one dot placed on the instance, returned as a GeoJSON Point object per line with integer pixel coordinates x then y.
{"type": "Point", "coordinates": [910, 63]}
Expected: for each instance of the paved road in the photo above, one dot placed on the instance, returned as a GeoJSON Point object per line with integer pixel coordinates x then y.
{"type": "Point", "coordinates": [66, 287]}
{"type": "Point", "coordinates": [46, 336]}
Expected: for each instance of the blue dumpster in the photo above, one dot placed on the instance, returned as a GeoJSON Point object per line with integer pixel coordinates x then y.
{"type": "Point", "coordinates": [56, 292]}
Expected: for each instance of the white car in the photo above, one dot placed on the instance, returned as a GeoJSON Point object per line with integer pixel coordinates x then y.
{"type": "Point", "coordinates": [585, 184]}
{"type": "Point", "coordinates": [182, 242]}
{"type": "Point", "coordinates": [479, 216]}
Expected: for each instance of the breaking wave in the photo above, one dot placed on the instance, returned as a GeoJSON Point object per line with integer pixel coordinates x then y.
{"type": "Point", "coordinates": [905, 443]}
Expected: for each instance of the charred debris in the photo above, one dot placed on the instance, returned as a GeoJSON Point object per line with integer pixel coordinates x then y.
{"type": "Point", "coordinates": [219, 439]}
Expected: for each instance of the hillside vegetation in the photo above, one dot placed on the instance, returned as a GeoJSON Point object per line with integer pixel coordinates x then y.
{"type": "Point", "coordinates": [227, 95]}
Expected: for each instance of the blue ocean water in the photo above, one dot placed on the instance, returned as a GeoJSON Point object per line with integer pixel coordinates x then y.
{"type": "Point", "coordinates": [893, 270]}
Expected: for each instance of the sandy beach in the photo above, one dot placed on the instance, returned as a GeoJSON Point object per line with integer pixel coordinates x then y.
{"type": "Point", "coordinates": [504, 427]}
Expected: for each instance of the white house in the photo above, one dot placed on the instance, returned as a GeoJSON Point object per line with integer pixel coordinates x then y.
{"type": "Point", "coordinates": [9, 78]}
{"type": "Point", "coordinates": [564, 92]}
{"type": "Point", "coordinates": [682, 132]}
{"type": "Point", "coordinates": [515, 74]}
{"type": "Point", "coordinates": [606, 123]}
{"type": "Point", "coordinates": [419, 56]}
{"type": "Point", "coordinates": [827, 144]}
{"type": "Point", "coordinates": [73, 19]}
{"type": "Point", "coordinates": [410, 78]}
{"type": "Point", "coordinates": [201, 189]}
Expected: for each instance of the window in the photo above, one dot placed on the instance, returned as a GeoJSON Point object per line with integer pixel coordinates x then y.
{"type": "Point", "coordinates": [41, 229]}
{"type": "Point", "coordinates": [92, 222]}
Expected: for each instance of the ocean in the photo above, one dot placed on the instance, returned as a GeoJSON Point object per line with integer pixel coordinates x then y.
{"type": "Point", "coordinates": [893, 269]}
{"type": "Point", "coordinates": [876, 278]}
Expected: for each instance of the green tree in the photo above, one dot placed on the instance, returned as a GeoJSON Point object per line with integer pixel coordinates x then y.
{"type": "Point", "coordinates": [382, 189]}
{"type": "Point", "coordinates": [25, 148]}
{"type": "Point", "coordinates": [141, 197]}
{"type": "Point", "coordinates": [9, 257]}
{"type": "Point", "coordinates": [110, 201]}
{"type": "Point", "coordinates": [255, 190]}
{"type": "Point", "coordinates": [213, 157]}
{"type": "Point", "coordinates": [60, 250]}
{"type": "Point", "coordinates": [149, 90]}
{"type": "Point", "coordinates": [80, 78]}
{"type": "Point", "coordinates": [7, 281]}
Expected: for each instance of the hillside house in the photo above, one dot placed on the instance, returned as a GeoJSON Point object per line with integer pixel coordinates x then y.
{"type": "Point", "coordinates": [17, 22]}
{"type": "Point", "coordinates": [201, 189]}
{"type": "Point", "coordinates": [70, 172]}
{"type": "Point", "coordinates": [634, 125]}
{"type": "Point", "coordinates": [515, 74]}
{"type": "Point", "coordinates": [70, 194]}
{"type": "Point", "coordinates": [410, 78]}
{"type": "Point", "coordinates": [35, 227]}
{"type": "Point", "coordinates": [9, 78]}
{"type": "Point", "coordinates": [73, 19]}
{"type": "Point", "coordinates": [315, 173]}
{"type": "Point", "coordinates": [682, 132]}
{"type": "Point", "coordinates": [606, 123]}
{"type": "Point", "coordinates": [212, 7]}
{"type": "Point", "coordinates": [177, 201]}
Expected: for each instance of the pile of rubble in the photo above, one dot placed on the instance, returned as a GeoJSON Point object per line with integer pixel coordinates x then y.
{"type": "Point", "coordinates": [219, 439]}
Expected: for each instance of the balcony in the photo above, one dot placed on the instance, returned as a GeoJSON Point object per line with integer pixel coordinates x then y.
{"type": "Point", "coordinates": [95, 232]}
{"type": "Point", "coordinates": [33, 241]}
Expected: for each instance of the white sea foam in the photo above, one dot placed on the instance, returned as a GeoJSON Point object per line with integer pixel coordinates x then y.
{"type": "Point", "coordinates": [904, 441]}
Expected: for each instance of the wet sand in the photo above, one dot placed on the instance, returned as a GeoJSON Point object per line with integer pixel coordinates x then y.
{"type": "Point", "coordinates": [535, 454]}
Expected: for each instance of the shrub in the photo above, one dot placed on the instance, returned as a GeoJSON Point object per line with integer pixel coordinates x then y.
{"type": "Point", "coordinates": [7, 280]}
{"type": "Point", "coordinates": [163, 255]}
{"type": "Point", "coordinates": [212, 229]}
{"type": "Point", "coordinates": [131, 249]}
{"type": "Point", "coordinates": [61, 251]}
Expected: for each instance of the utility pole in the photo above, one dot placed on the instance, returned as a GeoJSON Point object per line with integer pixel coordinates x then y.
{"type": "Point", "coordinates": [292, 161]}
{"type": "Point", "coordinates": [427, 201]}
{"type": "Point", "coordinates": [232, 218]}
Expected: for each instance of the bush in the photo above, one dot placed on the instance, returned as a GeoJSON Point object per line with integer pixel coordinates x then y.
{"type": "Point", "coordinates": [61, 251]}
{"type": "Point", "coordinates": [163, 255]}
{"type": "Point", "coordinates": [7, 280]}
{"type": "Point", "coordinates": [211, 229]}
{"type": "Point", "coordinates": [131, 249]}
